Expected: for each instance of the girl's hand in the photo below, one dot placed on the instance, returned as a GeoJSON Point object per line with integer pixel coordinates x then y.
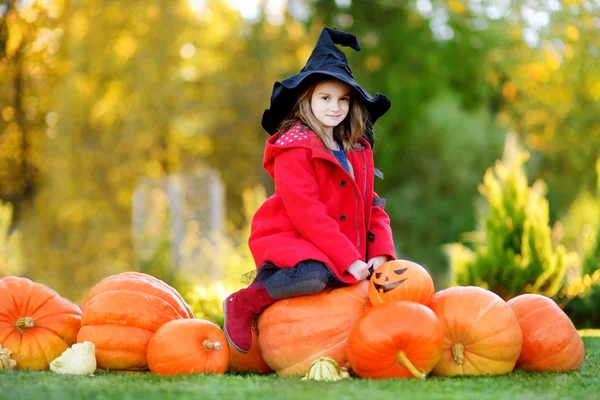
{"type": "Point", "coordinates": [359, 269]}
{"type": "Point", "coordinates": [375, 262]}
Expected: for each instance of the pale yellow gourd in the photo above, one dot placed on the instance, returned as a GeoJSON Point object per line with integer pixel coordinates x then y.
{"type": "Point", "coordinates": [6, 362]}
{"type": "Point", "coordinates": [326, 369]}
{"type": "Point", "coordinates": [78, 360]}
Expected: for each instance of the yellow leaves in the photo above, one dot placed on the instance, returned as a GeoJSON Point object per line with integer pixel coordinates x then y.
{"type": "Point", "coordinates": [296, 31]}
{"type": "Point", "coordinates": [509, 90]}
{"type": "Point", "coordinates": [125, 46]}
{"type": "Point", "coordinates": [154, 169]}
{"type": "Point", "coordinates": [598, 173]}
{"type": "Point", "coordinates": [104, 112]}
{"type": "Point", "coordinates": [538, 71]}
{"type": "Point", "coordinates": [84, 84]}
{"type": "Point", "coordinates": [123, 197]}
{"type": "Point", "coordinates": [79, 26]}
{"type": "Point", "coordinates": [15, 34]}
{"type": "Point", "coordinates": [47, 39]}
{"type": "Point", "coordinates": [373, 63]}
{"type": "Point", "coordinates": [572, 33]}
{"type": "Point", "coordinates": [552, 58]}
{"type": "Point", "coordinates": [581, 285]}
{"type": "Point", "coordinates": [153, 13]}
{"type": "Point", "coordinates": [11, 261]}
{"type": "Point", "coordinates": [457, 6]}
{"type": "Point", "coordinates": [29, 14]}
{"type": "Point", "coordinates": [568, 51]}
{"type": "Point", "coordinates": [536, 141]}
{"type": "Point", "coordinates": [8, 113]}
{"type": "Point", "coordinates": [594, 89]}
{"type": "Point", "coordinates": [71, 214]}
{"type": "Point", "coordinates": [173, 157]}
{"type": "Point", "coordinates": [303, 52]}
{"type": "Point", "coordinates": [189, 73]}
{"type": "Point", "coordinates": [11, 143]}
{"type": "Point", "coordinates": [53, 7]}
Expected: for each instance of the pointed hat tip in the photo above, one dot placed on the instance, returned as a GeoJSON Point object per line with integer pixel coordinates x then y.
{"type": "Point", "coordinates": [336, 36]}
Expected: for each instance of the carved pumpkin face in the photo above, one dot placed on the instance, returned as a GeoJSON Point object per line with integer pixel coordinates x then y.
{"type": "Point", "coordinates": [400, 280]}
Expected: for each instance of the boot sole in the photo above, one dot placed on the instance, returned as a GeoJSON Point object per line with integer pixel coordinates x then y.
{"type": "Point", "coordinates": [225, 329]}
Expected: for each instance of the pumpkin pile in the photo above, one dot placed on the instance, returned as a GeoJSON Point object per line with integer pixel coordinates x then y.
{"type": "Point", "coordinates": [395, 325]}
{"type": "Point", "coordinates": [391, 326]}
{"type": "Point", "coordinates": [130, 322]}
{"type": "Point", "coordinates": [122, 312]}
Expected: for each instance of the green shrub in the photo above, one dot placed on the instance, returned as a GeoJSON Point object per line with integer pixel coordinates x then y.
{"type": "Point", "coordinates": [513, 251]}
{"type": "Point", "coordinates": [580, 298]}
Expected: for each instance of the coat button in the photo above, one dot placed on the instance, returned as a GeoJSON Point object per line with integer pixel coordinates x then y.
{"type": "Point", "coordinates": [342, 217]}
{"type": "Point", "coordinates": [343, 183]}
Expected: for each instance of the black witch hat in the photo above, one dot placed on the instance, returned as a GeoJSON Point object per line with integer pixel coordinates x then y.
{"type": "Point", "coordinates": [326, 60]}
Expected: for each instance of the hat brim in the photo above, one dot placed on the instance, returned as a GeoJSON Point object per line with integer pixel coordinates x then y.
{"type": "Point", "coordinates": [286, 92]}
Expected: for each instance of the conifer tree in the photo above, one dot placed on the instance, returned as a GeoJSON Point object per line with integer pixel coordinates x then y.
{"type": "Point", "coordinates": [515, 253]}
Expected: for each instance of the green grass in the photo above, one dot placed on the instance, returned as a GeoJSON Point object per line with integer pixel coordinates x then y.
{"type": "Point", "coordinates": [582, 384]}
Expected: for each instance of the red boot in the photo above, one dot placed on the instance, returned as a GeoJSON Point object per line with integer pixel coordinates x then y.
{"type": "Point", "coordinates": [240, 308]}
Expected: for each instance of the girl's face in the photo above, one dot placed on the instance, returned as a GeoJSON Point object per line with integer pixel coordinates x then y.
{"type": "Point", "coordinates": [330, 103]}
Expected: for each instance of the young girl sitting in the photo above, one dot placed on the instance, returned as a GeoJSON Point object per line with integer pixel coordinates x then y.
{"type": "Point", "coordinates": [324, 226]}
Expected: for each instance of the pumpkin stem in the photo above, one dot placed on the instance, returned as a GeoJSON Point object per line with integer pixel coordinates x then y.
{"type": "Point", "coordinates": [458, 352]}
{"type": "Point", "coordinates": [24, 323]}
{"type": "Point", "coordinates": [402, 359]}
{"type": "Point", "coordinates": [208, 345]}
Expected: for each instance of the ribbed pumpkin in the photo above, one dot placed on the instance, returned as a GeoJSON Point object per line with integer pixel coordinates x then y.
{"type": "Point", "coordinates": [252, 361]}
{"type": "Point", "coordinates": [36, 324]}
{"type": "Point", "coordinates": [482, 334]}
{"type": "Point", "coordinates": [188, 346]}
{"type": "Point", "coordinates": [400, 280]}
{"type": "Point", "coordinates": [122, 312]}
{"type": "Point", "coordinates": [398, 339]}
{"type": "Point", "coordinates": [294, 332]}
{"type": "Point", "coordinates": [550, 340]}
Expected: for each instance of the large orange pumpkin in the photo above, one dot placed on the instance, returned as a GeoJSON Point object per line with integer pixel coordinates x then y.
{"type": "Point", "coordinates": [400, 280]}
{"type": "Point", "coordinates": [187, 346]}
{"type": "Point", "coordinates": [397, 339]}
{"type": "Point", "coordinates": [550, 340]}
{"type": "Point", "coordinates": [36, 324]}
{"type": "Point", "coordinates": [482, 334]}
{"type": "Point", "coordinates": [122, 312]}
{"type": "Point", "coordinates": [294, 332]}
{"type": "Point", "coordinates": [251, 361]}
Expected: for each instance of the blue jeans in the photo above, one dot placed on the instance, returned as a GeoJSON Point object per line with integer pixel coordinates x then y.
{"type": "Point", "coordinates": [307, 277]}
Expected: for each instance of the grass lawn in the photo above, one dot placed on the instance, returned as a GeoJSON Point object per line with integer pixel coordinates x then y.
{"type": "Point", "coordinates": [582, 384]}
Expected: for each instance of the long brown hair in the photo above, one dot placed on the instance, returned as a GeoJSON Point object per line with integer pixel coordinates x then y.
{"type": "Point", "coordinates": [352, 128]}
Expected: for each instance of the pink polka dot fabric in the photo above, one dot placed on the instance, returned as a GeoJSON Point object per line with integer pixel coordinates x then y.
{"type": "Point", "coordinates": [296, 133]}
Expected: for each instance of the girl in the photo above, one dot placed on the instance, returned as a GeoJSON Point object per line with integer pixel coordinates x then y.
{"type": "Point", "coordinates": [324, 226]}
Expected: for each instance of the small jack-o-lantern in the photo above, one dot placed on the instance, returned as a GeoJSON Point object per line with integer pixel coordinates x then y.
{"type": "Point", "coordinates": [400, 280]}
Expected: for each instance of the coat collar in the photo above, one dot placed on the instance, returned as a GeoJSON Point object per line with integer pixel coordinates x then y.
{"type": "Point", "coordinates": [300, 136]}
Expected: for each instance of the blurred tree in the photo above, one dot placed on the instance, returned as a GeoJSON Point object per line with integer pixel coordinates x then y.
{"type": "Point", "coordinates": [29, 37]}
{"type": "Point", "coordinates": [549, 75]}
{"type": "Point", "coordinates": [139, 90]}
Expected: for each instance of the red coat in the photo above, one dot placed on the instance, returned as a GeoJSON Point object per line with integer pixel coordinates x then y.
{"type": "Point", "coordinates": [318, 211]}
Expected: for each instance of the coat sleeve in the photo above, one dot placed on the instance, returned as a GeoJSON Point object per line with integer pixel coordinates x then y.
{"type": "Point", "coordinates": [296, 183]}
{"type": "Point", "coordinates": [380, 240]}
